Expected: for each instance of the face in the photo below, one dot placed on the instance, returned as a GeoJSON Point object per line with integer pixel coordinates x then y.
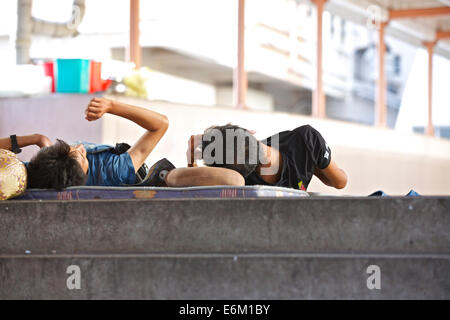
{"type": "Point", "coordinates": [79, 153]}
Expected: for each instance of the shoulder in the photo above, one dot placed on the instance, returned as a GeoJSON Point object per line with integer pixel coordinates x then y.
{"type": "Point", "coordinates": [90, 147]}
{"type": "Point", "coordinates": [305, 134]}
{"type": "Point", "coordinates": [308, 133]}
{"type": "Point", "coordinates": [305, 130]}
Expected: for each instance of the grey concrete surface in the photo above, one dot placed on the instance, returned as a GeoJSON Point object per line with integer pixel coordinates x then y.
{"type": "Point", "coordinates": [309, 248]}
{"type": "Point", "coordinates": [315, 225]}
{"type": "Point", "coordinates": [215, 277]}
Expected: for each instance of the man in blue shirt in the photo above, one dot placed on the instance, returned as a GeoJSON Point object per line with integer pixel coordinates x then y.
{"type": "Point", "coordinates": [107, 167]}
{"type": "Point", "coordinates": [59, 166]}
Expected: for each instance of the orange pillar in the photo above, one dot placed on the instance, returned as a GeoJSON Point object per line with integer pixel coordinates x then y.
{"type": "Point", "coordinates": [240, 83]}
{"type": "Point", "coordinates": [318, 109]}
{"type": "Point", "coordinates": [381, 107]}
{"type": "Point", "coordinates": [430, 49]}
{"type": "Point", "coordinates": [134, 50]}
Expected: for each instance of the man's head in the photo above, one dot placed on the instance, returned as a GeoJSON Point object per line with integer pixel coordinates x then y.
{"type": "Point", "coordinates": [237, 149]}
{"type": "Point", "coordinates": [58, 166]}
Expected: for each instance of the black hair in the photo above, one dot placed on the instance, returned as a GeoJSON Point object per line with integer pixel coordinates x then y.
{"type": "Point", "coordinates": [251, 146]}
{"type": "Point", "coordinates": [55, 168]}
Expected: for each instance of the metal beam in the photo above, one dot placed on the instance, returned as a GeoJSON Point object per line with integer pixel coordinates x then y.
{"type": "Point", "coordinates": [134, 50]}
{"type": "Point", "coordinates": [418, 13]}
{"type": "Point", "coordinates": [381, 107]}
{"type": "Point", "coordinates": [440, 35]}
{"type": "Point", "coordinates": [240, 84]}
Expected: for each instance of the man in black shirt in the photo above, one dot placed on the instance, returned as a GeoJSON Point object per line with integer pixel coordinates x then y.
{"type": "Point", "coordinates": [287, 159]}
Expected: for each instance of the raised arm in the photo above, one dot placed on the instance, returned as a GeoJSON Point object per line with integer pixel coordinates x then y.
{"type": "Point", "coordinates": [25, 141]}
{"type": "Point", "coordinates": [155, 123]}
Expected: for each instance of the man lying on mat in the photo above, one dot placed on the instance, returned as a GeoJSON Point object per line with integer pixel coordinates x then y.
{"type": "Point", "coordinates": [286, 159]}
{"type": "Point", "coordinates": [60, 165]}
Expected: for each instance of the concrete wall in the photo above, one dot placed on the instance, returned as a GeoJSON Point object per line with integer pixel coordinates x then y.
{"type": "Point", "coordinates": [57, 116]}
{"type": "Point", "coordinates": [257, 100]}
{"type": "Point", "coordinates": [305, 248]}
{"type": "Point", "coordinates": [373, 158]}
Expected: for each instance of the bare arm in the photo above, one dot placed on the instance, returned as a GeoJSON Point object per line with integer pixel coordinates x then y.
{"type": "Point", "coordinates": [155, 123]}
{"type": "Point", "coordinates": [332, 176]}
{"type": "Point", "coordinates": [25, 141]}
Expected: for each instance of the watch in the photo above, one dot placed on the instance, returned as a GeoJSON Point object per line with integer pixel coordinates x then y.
{"type": "Point", "coordinates": [14, 145]}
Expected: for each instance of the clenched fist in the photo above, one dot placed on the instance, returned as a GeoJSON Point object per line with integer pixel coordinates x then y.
{"type": "Point", "coordinates": [96, 108]}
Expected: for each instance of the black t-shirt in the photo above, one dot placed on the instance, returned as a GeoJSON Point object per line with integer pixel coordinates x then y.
{"type": "Point", "coordinates": [302, 151]}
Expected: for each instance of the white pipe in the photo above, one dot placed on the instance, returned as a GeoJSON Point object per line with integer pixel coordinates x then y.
{"type": "Point", "coordinates": [27, 26]}
{"type": "Point", "coordinates": [24, 31]}
{"type": "Point", "coordinates": [59, 30]}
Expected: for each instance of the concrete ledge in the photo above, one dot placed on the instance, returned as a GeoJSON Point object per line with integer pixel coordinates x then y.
{"type": "Point", "coordinates": [315, 225]}
{"type": "Point", "coordinates": [224, 277]}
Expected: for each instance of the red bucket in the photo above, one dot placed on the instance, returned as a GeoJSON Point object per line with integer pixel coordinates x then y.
{"type": "Point", "coordinates": [97, 83]}
{"type": "Point", "coordinates": [48, 70]}
{"type": "Point", "coordinates": [96, 77]}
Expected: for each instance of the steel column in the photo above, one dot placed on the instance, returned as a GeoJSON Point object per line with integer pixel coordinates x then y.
{"type": "Point", "coordinates": [134, 50]}
{"type": "Point", "coordinates": [381, 107]}
{"type": "Point", "coordinates": [430, 50]}
{"type": "Point", "coordinates": [240, 83]}
{"type": "Point", "coordinates": [318, 109]}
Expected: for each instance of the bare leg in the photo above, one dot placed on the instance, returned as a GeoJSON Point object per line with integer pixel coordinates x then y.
{"type": "Point", "coordinates": [204, 176]}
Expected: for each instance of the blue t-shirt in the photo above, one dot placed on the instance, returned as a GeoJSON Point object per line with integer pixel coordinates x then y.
{"type": "Point", "coordinates": [107, 168]}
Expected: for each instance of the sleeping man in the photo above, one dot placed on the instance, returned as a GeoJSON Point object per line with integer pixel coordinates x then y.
{"type": "Point", "coordinates": [286, 159]}
{"type": "Point", "coordinates": [60, 165]}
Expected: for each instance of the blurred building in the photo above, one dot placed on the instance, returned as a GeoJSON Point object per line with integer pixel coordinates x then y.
{"type": "Point", "coordinates": [191, 45]}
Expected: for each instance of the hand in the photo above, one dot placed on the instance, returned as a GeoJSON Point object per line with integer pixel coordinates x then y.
{"type": "Point", "coordinates": [193, 151]}
{"type": "Point", "coordinates": [42, 141]}
{"type": "Point", "coordinates": [96, 108]}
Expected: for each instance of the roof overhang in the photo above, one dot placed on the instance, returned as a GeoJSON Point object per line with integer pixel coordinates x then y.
{"type": "Point", "coordinates": [412, 21]}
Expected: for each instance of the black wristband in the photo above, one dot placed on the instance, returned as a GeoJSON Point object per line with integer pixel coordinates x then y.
{"type": "Point", "coordinates": [14, 145]}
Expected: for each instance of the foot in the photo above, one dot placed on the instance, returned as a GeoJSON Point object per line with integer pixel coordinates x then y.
{"type": "Point", "coordinates": [156, 176]}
